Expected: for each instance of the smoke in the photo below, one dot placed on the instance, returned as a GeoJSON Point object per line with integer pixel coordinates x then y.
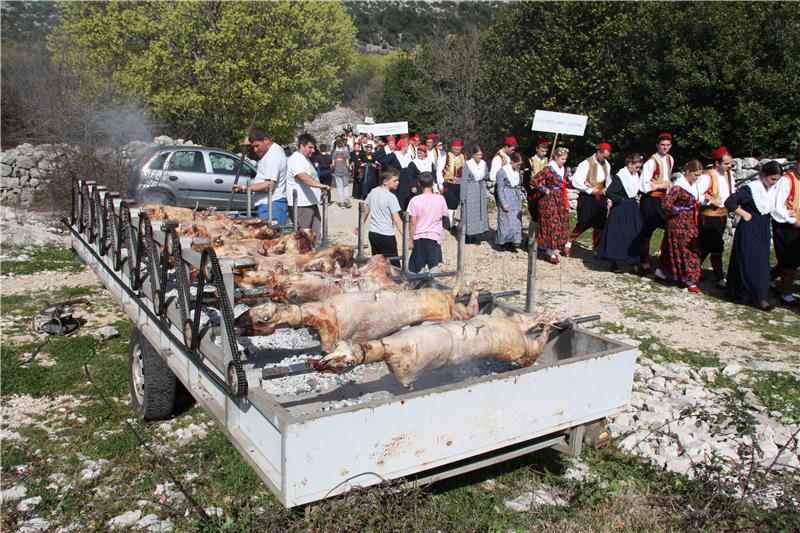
{"type": "Point", "coordinates": [119, 125]}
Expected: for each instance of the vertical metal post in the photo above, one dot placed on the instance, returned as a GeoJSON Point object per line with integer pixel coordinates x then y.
{"type": "Point", "coordinates": [460, 257]}
{"type": "Point", "coordinates": [294, 210]}
{"type": "Point", "coordinates": [406, 231]}
{"type": "Point", "coordinates": [269, 204]}
{"type": "Point", "coordinates": [360, 251]}
{"type": "Point", "coordinates": [530, 293]}
{"type": "Point", "coordinates": [325, 199]}
{"type": "Point", "coordinates": [249, 200]}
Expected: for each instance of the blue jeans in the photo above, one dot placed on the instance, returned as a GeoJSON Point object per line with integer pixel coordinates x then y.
{"type": "Point", "coordinates": [280, 209]}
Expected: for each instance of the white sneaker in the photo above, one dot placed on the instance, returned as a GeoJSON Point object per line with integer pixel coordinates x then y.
{"type": "Point", "coordinates": [660, 274]}
{"type": "Point", "coordinates": [722, 283]}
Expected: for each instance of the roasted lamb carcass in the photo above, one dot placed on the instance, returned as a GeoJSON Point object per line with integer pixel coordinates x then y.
{"type": "Point", "coordinates": [267, 268]}
{"type": "Point", "coordinates": [297, 242]}
{"type": "Point", "coordinates": [415, 350]}
{"type": "Point", "coordinates": [167, 212]}
{"type": "Point", "coordinates": [304, 287]}
{"type": "Point", "coordinates": [218, 230]}
{"type": "Point", "coordinates": [359, 316]}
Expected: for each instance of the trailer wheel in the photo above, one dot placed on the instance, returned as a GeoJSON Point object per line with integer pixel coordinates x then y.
{"type": "Point", "coordinates": [153, 385]}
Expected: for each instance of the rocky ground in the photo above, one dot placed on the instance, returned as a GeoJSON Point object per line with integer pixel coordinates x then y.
{"type": "Point", "coordinates": [711, 435]}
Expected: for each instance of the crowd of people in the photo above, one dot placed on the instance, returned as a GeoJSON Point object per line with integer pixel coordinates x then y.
{"type": "Point", "coordinates": [623, 209]}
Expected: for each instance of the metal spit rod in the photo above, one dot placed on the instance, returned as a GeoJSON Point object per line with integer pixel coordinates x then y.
{"type": "Point", "coordinates": [249, 199]}
{"type": "Point", "coordinates": [461, 256]}
{"type": "Point", "coordinates": [530, 291]}
{"type": "Point", "coordinates": [294, 210]}
{"type": "Point", "coordinates": [406, 230]}
{"type": "Point", "coordinates": [360, 252]}
{"type": "Point", "coordinates": [269, 204]}
{"type": "Point", "coordinates": [325, 199]}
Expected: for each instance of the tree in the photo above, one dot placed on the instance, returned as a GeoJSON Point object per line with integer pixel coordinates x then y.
{"type": "Point", "coordinates": [710, 73]}
{"type": "Point", "coordinates": [210, 68]}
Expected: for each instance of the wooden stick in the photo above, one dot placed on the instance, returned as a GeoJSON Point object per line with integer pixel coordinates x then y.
{"type": "Point", "coordinates": [553, 149]}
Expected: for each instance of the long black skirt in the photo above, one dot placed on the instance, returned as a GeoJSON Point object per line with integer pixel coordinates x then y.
{"type": "Point", "coordinates": [452, 195]}
{"type": "Point", "coordinates": [748, 270]}
{"type": "Point", "coordinates": [786, 239]}
{"type": "Point", "coordinates": [653, 215]}
{"type": "Point", "coordinates": [592, 211]}
{"type": "Point", "coordinates": [712, 230]}
{"type": "Point", "coordinates": [621, 239]}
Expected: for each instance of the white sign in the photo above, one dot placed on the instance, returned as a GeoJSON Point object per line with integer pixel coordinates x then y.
{"type": "Point", "coordinates": [385, 128]}
{"type": "Point", "coordinates": [553, 122]}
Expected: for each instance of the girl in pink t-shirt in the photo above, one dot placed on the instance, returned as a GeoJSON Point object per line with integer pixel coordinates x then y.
{"type": "Point", "coordinates": [426, 211]}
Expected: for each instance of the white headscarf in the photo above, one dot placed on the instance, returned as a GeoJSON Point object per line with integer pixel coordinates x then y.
{"type": "Point", "coordinates": [763, 198]}
{"type": "Point", "coordinates": [684, 184]}
{"type": "Point", "coordinates": [423, 165]}
{"type": "Point", "coordinates": [478, 170]}
{"type": "Point", "coordinates": [629, 181]}
{"type": "Point", "coordinates": [559, 171]}
{"type": "Point", "coordinates": [511, 175]}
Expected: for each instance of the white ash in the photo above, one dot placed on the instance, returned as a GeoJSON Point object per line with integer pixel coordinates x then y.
{"type": "Point", "coordinates": [368, 397]}
{"type": "Point", "coordinates": [310, 383]}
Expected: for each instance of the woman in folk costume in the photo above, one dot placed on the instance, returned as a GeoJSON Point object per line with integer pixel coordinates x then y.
{"type": "Point", "coordinates": [400, 160]}
{"type": "Point", "coordinates": [553, 205]}
{"type": "Point", "coordinates": [680, 247]}
{"type": "Point", "coordinates": [452, 169]}
{"type": "Point", "coordinates": [421, 163]}
{"type": "Point", "coordinates": [714, 187]}
{"type": "Point", "coordinates": [621, 241]}
{"type": "Point", "coordinates": [473, 194]}
{"type": "Point", "coordinates": [509, 204]}
{"type": "Point", "coordinates": [748, 269]}
{"type": "Point", "coordinates": [786, 233]}
{"type": "Point", "coordinates": [655, 182]}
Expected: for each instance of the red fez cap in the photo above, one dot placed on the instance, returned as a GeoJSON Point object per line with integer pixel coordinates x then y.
{"type": "Point", "coordinates": [417, 137]}
{"type": "Point", "coordinates": [404, 135]}
{"type": "Point", "coordinates": [430, 136]}
{"type": "Point", "coordinates": [390, 139]}
{"type": "Point", "coordinates": [422, 148]}
{"type": "Point", "coordinates": [604, 146]}
{"type": "Point", "coordinates": [542, 141]}
{"type": "Point", "coordinates": [667, 135]}
{"type": "Point", "coordinates": [400, 145]}
{"type": "Point", "coordinates": [457, 142]}
{"type": "Point", "coordinates": [719, 152]}
{"type": "Point", "coordinates": [510, 140]}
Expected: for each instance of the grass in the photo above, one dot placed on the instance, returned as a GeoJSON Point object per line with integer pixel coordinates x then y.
{"type": "Point", "coordinates": [46, 257]}
{"type": "Point", "coordinates": [778, 391]}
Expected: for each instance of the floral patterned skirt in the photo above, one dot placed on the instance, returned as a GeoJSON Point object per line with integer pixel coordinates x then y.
{"type": "Point", "coordinates": [553, 221]}
{"type": "Point", "coordinates": [680, 249]}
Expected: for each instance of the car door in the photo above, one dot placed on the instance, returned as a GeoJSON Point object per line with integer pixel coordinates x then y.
{"type": "Point", "coordinates": [223, 168]}
{"type": "Point", "coordinates": [187, 171]}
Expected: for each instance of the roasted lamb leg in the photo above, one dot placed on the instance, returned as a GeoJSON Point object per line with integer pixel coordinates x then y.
{"type": "Point", "coordinates": [218, 230]}
{"type": "Point", "coordinates": [358, 316]}
{"type": "Point", "coordinates": [415, 350]}
{"type": "Point", "coordinates": [297, 242]}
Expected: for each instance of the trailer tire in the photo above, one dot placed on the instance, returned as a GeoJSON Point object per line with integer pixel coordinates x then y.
{"type": "Point", "coordinates": [153, 385]}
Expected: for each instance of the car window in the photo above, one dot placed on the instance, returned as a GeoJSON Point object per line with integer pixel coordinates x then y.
{"type": "Point", "coordinates": [187, 161]}
{"type": "Point", "coordinates": [157, 162]}
{"type": "Point", "coordinates": [224, 164]}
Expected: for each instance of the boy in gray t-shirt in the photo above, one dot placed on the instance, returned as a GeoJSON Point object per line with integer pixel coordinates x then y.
{"type": "Point", "coordinates": [383, 211]}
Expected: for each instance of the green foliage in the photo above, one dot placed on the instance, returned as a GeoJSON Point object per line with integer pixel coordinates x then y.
{"type": "Point", "coordinates": [711, 73]}
{"type": "Point", "coordinates": [406, 25]}
{"type": "Point", "coordinates": [209, 67]}
{"type": "Point", "coordinates": [364, 83]}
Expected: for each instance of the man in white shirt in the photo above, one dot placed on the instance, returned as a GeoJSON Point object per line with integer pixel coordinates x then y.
{"type": "Point", "coordinates": [713, 188]}
{"type": "Point", "coordinates": [301, 176]}
{"type": "Point", "coordinates": [591, 178]}
{"type": "Point", "coordinates": [270, 175]}
{"type": "Point", "coordinates": [786, 233]}
{"type": "Point", "coordinates": [502, 157]}
{"type": "Point", "coordinates": [656, 179]}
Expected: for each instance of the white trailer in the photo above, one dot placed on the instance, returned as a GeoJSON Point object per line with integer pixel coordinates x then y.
{"type": "Point", "coordinates": [301, 448]}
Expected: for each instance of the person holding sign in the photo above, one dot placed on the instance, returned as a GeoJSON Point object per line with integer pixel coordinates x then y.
{"type": "Point", "coordinates": [714, 187]}
{"type": "Point", "coordinates": [536, 164]}
{"type": "Point", "coordinates": [655, 181]}
{"type": "Point", "coordinates": [591, 179]}
{"type": "Point", "coordinates": [509, 205]}
{"type": "Point", "coordinates": [452, 169]}
{"type": "Point", "coordinates": [553, 206]}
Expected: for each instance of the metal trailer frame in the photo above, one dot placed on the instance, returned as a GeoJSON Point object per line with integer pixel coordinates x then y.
{"type": "Point", "coordinates": [422, 435]}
